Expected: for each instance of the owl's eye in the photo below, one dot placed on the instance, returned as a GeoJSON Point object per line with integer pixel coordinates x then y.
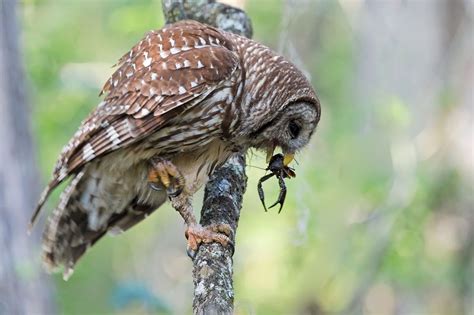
{"type": "Point", "coordinates": [294, 129]}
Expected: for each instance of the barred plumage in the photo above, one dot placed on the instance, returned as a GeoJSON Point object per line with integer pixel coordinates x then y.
{"type": "Point", "coordinates": [189, 93]}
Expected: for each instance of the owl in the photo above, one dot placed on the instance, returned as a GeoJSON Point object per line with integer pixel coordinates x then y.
{"type": "Point", "coordinates": [180, 102]}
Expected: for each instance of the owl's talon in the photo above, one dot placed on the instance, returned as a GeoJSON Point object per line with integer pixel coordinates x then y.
{"type": "Point", "coordinates": [197, 234]}
{"type": "Point", "coordinates": [173, 191]}
{"type": "Point", "coordinates": [191, 253]}
{"type": "Point", "coordinates": [155, 186]}
{"type": "Point", "coordinates": [165, 175]}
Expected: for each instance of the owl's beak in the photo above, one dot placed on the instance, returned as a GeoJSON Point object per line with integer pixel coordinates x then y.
{"type": "Point", "coordinates": [288, 158]}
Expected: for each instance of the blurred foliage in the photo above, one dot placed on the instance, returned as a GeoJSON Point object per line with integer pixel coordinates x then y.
{"type": "Point", "coordinates": [343, 242]}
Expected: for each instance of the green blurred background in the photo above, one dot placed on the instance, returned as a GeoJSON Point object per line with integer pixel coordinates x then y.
{"type": "Point", "coordinates": [379, 219]}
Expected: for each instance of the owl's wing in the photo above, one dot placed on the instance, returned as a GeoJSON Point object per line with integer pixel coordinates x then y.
{"type": "Point", "coordinates": [166, 73]}
{"type": "Point", "coordinates": [68, 234]}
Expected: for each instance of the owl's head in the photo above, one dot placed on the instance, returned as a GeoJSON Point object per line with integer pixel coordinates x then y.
{"type": "Point", "coordinates": [282, 109]}
{"type": "Point", "coordinates": [290, 130]}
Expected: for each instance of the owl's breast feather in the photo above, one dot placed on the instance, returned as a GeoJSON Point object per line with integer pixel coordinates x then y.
{"type": "Point", "coordinates": [197, 165]}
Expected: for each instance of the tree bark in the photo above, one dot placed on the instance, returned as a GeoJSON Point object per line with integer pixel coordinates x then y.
{"type": "Point", "coordinates": [23, 290]}
{"type": "Point", "coordinates": [210, 12]}
{"type": "Point", "coordinates": [213, 264]}
{"type": "Point", "coordinates": [212, 274]}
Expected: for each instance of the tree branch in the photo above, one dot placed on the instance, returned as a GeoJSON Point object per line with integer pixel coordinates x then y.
{"type": "Point", "coordinates": [213, 264]}
{"type": "Point", "coordinates": [212, 274]}
{"type": "Point", "coordinates": [213, 13]}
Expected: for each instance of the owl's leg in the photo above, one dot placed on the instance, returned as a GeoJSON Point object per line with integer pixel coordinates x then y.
{"type": "Point", "coordinates": [164, 174]}
{"type": "Point", "coordinates": [195, 232]}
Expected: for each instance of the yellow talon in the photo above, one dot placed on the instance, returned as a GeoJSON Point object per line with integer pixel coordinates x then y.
{"type": "Point", "coordinates": [164, 174]}
{"type": "Point", "coordinates": [165, 179]}
{"type": "Point", "coordinates": [153, 177]}
{"type": "Point", "coordinates": [159, 174]}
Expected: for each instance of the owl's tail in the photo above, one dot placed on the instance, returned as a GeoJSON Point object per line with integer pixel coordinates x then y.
{"type": "Point", "coordinates": [69, 232]}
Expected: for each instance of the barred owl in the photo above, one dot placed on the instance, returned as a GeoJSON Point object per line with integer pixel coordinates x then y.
{"type": "Point", "coordinates": [181, 101]}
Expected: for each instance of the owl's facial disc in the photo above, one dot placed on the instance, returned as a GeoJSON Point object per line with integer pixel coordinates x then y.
{"type": "Point", "coordinates": [291, 130]}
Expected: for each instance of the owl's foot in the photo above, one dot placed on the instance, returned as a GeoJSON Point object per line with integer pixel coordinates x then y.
{"type": "Point", "coordinates": [164, 174]}
{"type": "Point", "coordinates": [197, 234]}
